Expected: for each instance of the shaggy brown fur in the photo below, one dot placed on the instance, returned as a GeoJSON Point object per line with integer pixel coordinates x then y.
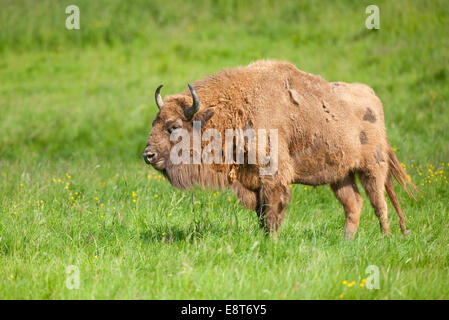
{"type": "Point", "coordinates": [328, 133]}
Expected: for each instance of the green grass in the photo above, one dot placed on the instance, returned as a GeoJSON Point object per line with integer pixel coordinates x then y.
{"type": "Point", "coordinates": [80, 104]}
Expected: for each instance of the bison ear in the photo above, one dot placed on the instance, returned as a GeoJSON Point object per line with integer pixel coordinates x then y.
{"type": "Point", "coordinates": [204, 116]}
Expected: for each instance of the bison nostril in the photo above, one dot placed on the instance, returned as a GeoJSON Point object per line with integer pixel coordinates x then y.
{"type": "Point", "coordinates": [147, 156]}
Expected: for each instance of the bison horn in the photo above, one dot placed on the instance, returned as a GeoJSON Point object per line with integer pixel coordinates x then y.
{"type": "Point", "coordinates": [158, 97]}
{"type": "Point", "coordinates": [189, 112]}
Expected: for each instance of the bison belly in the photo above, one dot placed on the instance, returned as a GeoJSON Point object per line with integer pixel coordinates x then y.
{"type": "Point", "coordinates": [323, 164]}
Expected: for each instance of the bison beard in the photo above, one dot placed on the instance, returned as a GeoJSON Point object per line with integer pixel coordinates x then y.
{"type": "Point", "coordinates": [329, 133]}
{"type": "Point", "coordinates": [185, 176]}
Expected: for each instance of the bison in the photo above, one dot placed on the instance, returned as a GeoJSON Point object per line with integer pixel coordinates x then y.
{"type": "Point", "coordinates": [327, 133]}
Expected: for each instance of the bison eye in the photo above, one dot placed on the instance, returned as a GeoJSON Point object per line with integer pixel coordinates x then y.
{"type": "Point", "coordinates": [171, 129]}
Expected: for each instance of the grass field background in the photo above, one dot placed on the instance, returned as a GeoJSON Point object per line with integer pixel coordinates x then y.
{"type": "Point", "coordinates": [76, 108]}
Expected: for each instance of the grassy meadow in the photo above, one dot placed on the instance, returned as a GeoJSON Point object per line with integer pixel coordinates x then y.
{"type": "Point", "coordinates": [76, 108]}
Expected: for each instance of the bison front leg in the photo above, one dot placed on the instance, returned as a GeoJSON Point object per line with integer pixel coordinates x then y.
{"type": "Point", "coordinates": [273, 201]}
{"type": "Point", "coordinates": [348, 194]}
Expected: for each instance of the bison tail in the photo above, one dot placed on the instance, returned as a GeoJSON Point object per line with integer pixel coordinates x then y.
{"type": "Point", "coordinates": [395, 202]}
{"type": "Point", "coordinates": [401, 177]}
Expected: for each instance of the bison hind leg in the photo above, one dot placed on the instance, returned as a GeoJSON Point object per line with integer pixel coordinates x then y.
{"type": "Point", "coordinates": [374, 183]}
{"type": "Point", "coordinates": [348, 194]}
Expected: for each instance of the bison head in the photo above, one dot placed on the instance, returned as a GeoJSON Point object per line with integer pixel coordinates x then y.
{"type": "Point", "coordinates": [176, 112]}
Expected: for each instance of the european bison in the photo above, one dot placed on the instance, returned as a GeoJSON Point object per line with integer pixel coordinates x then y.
{"type": "Point", "coordinates": [327, 133]}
